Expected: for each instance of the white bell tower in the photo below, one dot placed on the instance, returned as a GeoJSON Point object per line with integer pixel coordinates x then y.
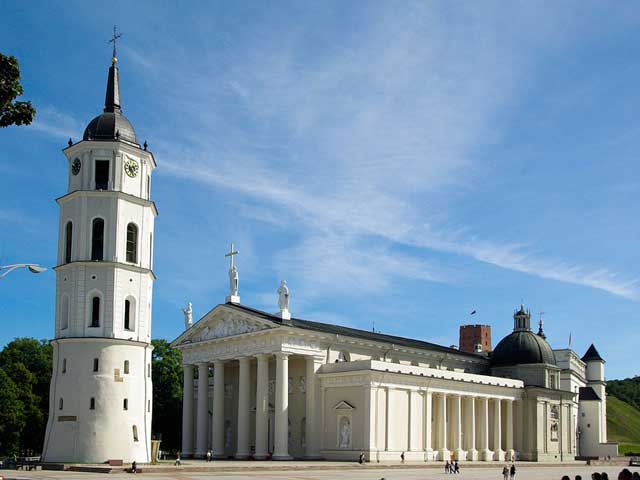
{"type": "Point", "coordinates": [100, 402]}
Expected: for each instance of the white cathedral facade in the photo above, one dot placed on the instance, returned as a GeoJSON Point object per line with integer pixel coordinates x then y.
{"type": "Point", "coordinates": [100, 403]}
{"type": "Point", "coordinates": [272, 386]}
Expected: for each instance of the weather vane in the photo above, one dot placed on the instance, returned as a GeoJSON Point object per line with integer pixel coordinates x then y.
{"type": "Point", "coordinates": [113, 40]}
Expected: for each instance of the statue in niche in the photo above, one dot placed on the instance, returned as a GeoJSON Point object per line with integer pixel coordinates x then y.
{"type": "Point", "coordinates": [283, 296]}
{"type": "Point", "coordinates": [228, 390]}
{"type": "Point", "coordinates": [227, 434]}
{"type": "Point", "coordinates": [188, 316]}
{"type": "Point", "coordinates": [303, 384]}
{"type": "Point", "coordinates": [290, 385]}
{"type": "Point", "coordinates": [272, 387]}
{"type": "Point", "coordinates": [345, 432]}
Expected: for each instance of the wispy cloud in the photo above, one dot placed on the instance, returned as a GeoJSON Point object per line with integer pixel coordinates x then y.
{"type": "Point", "coordinates": [52, 122]}
{"type": "Point", "coordinates": [352, 147]}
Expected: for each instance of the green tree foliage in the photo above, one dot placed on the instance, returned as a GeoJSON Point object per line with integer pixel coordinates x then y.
{"type": "Point", "coordinates": [627, 390]}
{"type": "Point", "coordinates": [167, 394]}
{"type": "Point", "coordinates": [12, 417]}
{"type": "Point", "coordinates": [25, 366]}
{"type": "Point", "coordinates": [12, 112]}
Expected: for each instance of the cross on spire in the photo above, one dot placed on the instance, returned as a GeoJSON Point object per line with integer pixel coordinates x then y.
{"type": "Point", "coordinates": [114, 40]}
{"type": "Point", "coordinates": [231, 254]}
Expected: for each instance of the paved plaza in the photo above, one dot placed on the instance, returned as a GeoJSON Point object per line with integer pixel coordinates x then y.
{"type": "Point", "coordinates": [314, 471]}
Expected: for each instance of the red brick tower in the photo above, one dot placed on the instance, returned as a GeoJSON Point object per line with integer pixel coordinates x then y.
{"type": "Point", "coordinates": [473, 335]}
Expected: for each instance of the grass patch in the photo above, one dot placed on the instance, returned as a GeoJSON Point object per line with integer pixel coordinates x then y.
{"type": "Point", "coordinates": [623, 422]}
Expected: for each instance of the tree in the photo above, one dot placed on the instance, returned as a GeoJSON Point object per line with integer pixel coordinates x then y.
{"type": "Point", "coordinates": [11, 112]}
{"type": "Point", "coordinates": [27, 363]}
{"type": "Point", "coordinates": [12, 417]}
{"type": "Point", "coordinates": [167, 394]}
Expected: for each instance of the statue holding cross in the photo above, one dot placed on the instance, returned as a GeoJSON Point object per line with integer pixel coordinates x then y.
{"type": "Point", "coordinates": [233, 277]}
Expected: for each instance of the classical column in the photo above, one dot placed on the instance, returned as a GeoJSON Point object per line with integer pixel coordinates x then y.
{"type": "Point", "coordinates": [444, 453]}
{"type": "Point", "coordinates": [243, 408]}
{"type": "Point", "coordinates": [203, 411]}
{"type": "Point", "coordinates": [456, 419]}
{"type": "Point", "coordinates": [472, 453]}
{"type": "Point", "coordinates": [485, 453]}
{"type": "Point", "coordinates": [262, 407]}
{"type": "Point", "coordinates": [187, 411]}
{"type": "Point", "coordinates": [509, 428]}
{"type": "Point", "coordinates": [498, 454]}
{"type": "Point", "coordinates": [428, 405]}
{"type": "Point", "coordinates": [281, 427]}
{"type": "Point", "coordinates": [312, 430]}
{"type": "Point", "coordinates": [218, 433]}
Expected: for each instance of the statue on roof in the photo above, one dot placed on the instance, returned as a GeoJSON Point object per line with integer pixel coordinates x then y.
{"type": "Point", "coordinates": [188, 316]}
{"type": "Point", "coordinates": [283, 296]}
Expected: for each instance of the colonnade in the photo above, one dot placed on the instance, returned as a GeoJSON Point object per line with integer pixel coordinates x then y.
{"type": "Point", "coordinates": [464, 432]}
{"type": "Point", "coordinates": [281, 408]}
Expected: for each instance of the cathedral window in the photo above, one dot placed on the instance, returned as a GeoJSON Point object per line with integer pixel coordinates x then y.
{"type": "Point", "coordinates": [97, 239]}
{"type": "Point", "coordinates": [102, 174]}
{"type": "Point", "coordinates": [126, 366]}
{"type": "Point", "coordinates": [132, 243]}
{"type": "Point", "coordinates": [95, 312]}
{"type": "Point", "coordinates": [149, 370]}
{"type": "Point", "coordinates": [64, 365]}
{"type": "Point", "coordinates": [125, 404]}
{"type": "Point", "coordinates": [135, 433]}
{"type": "Point", "coordinates": [60, 404]}
{"type": "Point", "coordinates": [92, 404]}
{"type": "Point", "coordinates": [128, 317]}
{"type": "Point", "coordinates": [148, 405]}
{"type": "Point", "coordinates": [95, 364]}
{"type": "Point", "coordinates": [68, 241]}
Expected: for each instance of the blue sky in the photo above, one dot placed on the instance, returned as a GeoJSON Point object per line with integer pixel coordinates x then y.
{"type": "Point", "coordinates": [398, 163]}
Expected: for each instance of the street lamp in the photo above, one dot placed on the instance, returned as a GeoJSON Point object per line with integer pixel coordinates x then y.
{"type": "Point", "coordinates": [33, 268]}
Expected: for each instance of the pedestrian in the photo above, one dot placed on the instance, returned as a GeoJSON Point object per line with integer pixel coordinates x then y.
{"type": "Point", "coordinates": [456, 467]}
{"type": "Point", "coordinates": [505, 472]}
{"type": "Point", "coordinates": [178, 462]}
{"type": "Point", "coordinates": [361, 458]}
{"type": "Point", "coordinates": [512, 471]}
{"type": "Point", "coordinates": [134, 467]}
{"type": "Point", "coordinates": [447, 466]}
{"type": "Point", "coordinates": [402, 457]}
{"type": "Point", "coordinates": [208, 455]}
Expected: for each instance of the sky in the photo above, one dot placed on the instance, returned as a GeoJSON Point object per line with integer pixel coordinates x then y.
{"type": "Point", "coordinates": [399, 163]}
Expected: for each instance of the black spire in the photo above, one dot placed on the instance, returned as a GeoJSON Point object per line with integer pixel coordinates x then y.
{"type": "Point", "coordinates": [592, 354]}
{"type": "Point", "coordinates": [112, 98]}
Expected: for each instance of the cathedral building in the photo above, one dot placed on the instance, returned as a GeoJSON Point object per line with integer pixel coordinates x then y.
{"type": "Point", "coordinates": [101, 394]}
{"type": "Point", "coordinates": [272, 386]}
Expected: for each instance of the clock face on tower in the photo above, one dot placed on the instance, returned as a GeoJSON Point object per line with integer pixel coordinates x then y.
{"type": "Point", "coordinates": [75, 166]}
{"type": "Point", "coordinates": [131, 168]}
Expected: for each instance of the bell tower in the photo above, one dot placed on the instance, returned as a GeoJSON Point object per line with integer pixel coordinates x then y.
{"type": "Point", "coordinates": [100, 402]}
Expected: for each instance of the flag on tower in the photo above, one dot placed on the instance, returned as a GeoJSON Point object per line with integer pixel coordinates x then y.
{"type": "Point", "coordinates": [473, 312]}
{"type": "Point", "coordinates": [569, 339]}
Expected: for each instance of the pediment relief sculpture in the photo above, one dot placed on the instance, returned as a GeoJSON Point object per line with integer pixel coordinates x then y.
{"type": "Point", "coordinates": [228, 327]}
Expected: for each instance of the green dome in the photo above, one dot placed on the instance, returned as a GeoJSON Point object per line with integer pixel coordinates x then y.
{"type": "Point", "coordinates": [522, 347]}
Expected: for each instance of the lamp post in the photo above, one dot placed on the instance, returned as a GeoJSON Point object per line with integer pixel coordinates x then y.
{"type": "Point", "coordinates": [33, 268]}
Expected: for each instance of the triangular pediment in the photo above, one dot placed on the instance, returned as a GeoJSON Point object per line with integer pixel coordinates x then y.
{"type": "Point", "coordinates": [344, 405]}
{"type": "Point", "coordinates": [221, 323]}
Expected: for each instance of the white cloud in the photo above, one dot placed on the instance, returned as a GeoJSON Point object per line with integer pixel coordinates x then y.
{"type": "Point", "coordinates": [55, 123]}
{"type": "Point", "coordinates": [354, 145]}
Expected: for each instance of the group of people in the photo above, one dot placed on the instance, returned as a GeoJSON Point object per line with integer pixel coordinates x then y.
{"type": "Point", "coordinates": [509, 472]}
{"type": "Point", "coordinates": [625, 474]}
{"type": "Point", "coordinates": [452, 467]}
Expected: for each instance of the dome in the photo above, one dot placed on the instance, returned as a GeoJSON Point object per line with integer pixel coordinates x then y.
{"type": "Point", "coordinates": [108, 126]}
{"type": "Point", "coordinates": [111, 124]}
{"type": "Point", "coordinates": [520, 347]}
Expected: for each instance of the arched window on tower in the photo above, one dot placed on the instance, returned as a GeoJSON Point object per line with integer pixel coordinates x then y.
{"type": "Point", "coordinates": [68, 241]}
{"type": "Point", "coordinates": [128, 315]}
{"type": "Point", "coordinates": [60, 404]}
{"type": "Point", "coordinates": [132, 243]}
{"type": "Point", "coordinates": [92, 403]}
{"type": "Point", "coordinates": [95, 311]}
{"type": "Point", "coordinates": [97, 239]}
{"type": "Point", "coordinates": [125, 404]}
{"type": "Point", "coordinates": [126, 366]}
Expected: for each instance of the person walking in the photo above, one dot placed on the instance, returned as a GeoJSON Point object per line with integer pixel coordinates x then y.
{"type": "Point", "coordinates": [447, 467]}
{"type": "Point", "coordinates": [208, 455]}
{"type": "Point", "coordinates": [402, 457]}
{"type": "Point", "coordinates": [456, 467]}
{"type": "Point", "coordinates": [512, 471]}
{"type": "Point", "coordinates": [505, 472]}
{"type": "Point", "coordinates": [178, 462]}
